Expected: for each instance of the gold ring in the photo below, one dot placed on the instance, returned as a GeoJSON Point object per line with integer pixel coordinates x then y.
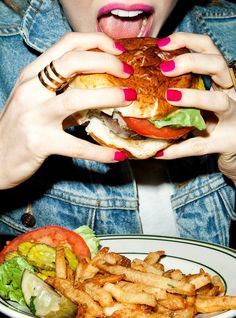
{"type": "Point", "coordinates": [232, 72]}
{"type": "Point", "coordinates": [52, 80]}
{"type": "Point", "coordinates": [56, 73]}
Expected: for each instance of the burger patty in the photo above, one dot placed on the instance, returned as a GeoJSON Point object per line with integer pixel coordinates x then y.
{"type": "Point", "coordinates": [117, 125]}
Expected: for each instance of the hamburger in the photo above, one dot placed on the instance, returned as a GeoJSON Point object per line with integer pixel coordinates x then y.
{"type": "Point", "coordinates": [149, 124]}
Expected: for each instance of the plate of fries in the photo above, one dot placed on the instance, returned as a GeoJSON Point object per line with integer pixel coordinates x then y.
{"type": "Point", "coordinates": [145, 276]}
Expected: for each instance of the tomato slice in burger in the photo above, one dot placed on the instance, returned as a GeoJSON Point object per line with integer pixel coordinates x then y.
{"type": "Point", "coordinates": [50, 235]}
{"type": "Point", "coordinates": [145, 128]}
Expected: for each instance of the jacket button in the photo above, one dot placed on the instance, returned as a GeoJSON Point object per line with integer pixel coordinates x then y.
{"type": "Point", "coordinates": [28, 220]}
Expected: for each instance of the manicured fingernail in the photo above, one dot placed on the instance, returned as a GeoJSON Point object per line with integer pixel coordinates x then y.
{"type": "Point", "coordinates": [163, 42]}
{"type": "Point", "coordinates": [159, 154]}
{"type": "Point", "coordinates": [173, 95]}
{"type": "Point", "coordinates": [128, 69]}
{"type": "Point", "coordinates": [167, 66]}
{"type": "Point", "coordinates": [130, 94]}
{"type": "Point", "coordinates": [119, 47]}
{"type": "Point", "coordinates": [119, 156]}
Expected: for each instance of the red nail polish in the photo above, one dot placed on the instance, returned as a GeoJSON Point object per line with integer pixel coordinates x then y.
{"type": "Point", "coordinates": [130, 94]}
{"type": "Point", "coordinates": [159, 154]}
{"type": "Point", "coordinates": [167, 66]}
{"type": "Point", "coordinates": [173, 95]}
{"type": "Point", "coordinates": [119, 156]}
{"type": "Point", "coordinates": [119, 47]}
{"type": "Point", "coordinates": [128, 69]}
{"type": "Point", "coordinates": [163, 42]}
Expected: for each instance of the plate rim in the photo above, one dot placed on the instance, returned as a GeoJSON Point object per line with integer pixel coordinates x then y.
{"type": "Point", "coordinates": [168, 238]}
{"type": "Point", "coordinates": [230, 251]}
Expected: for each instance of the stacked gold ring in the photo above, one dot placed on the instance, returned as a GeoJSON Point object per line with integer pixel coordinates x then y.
{"type": "Point", "coordinates": [51, 79]}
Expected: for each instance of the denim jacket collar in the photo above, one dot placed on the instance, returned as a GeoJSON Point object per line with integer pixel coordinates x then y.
{"type": "Point", "coordinates": [44, 24]}
{"type": "Point", "coordinates": [41, 26]}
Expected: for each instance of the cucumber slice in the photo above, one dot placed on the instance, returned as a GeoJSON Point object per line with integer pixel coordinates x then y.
{"type": "Point", "coordinates": [67, 310]}
{"type": "Point", "coordinates": [43, 301]}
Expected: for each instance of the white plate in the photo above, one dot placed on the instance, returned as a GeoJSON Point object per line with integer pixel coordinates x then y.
{"type": "Point", "coordinates": [188, 255]}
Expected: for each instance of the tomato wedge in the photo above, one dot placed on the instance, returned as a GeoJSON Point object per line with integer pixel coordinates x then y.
{"type": "Point", "coordinates": [50, 235]}
{"type": "Point", "coordinates": [145, 128]}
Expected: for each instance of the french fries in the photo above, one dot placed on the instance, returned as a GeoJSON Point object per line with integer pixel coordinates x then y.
{"type": "Point", "coordinates": [111, 285]}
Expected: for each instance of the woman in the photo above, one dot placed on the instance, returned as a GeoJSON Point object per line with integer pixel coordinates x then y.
{"type": "Point", "coordinates": [72, 192]}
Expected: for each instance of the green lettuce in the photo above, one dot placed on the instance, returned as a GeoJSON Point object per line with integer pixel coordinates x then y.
{"type": "Point", "coordinates": [10, 279]}
{"type": "Point", "coordinates": [183, 117]}
{"type": "Point", "coordinates": [89, 236]}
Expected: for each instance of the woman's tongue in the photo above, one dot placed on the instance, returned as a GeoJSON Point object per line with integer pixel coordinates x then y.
{"type": "Point", "coordinates": [117, 27]}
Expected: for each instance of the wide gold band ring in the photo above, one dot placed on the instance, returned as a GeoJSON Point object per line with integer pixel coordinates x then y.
{"type": "Point", "coordinates": [232, 72]}
{"type": "Point", "coordinates": [52, 80]}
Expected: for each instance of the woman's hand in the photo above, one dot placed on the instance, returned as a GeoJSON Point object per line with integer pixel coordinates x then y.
{"type": "Point", "coordinates": [206, 59]}
{"type": "Point", "coordinates": [31, 124]}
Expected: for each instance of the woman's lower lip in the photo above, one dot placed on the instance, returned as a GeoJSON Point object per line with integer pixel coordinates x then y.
{"type": "Point", "coordinates": [146, 31]}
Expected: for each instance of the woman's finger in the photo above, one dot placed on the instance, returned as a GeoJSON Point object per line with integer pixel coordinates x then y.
{"type": "Point", "coordinates": [196, 146]}
{"type": "Point", "coordinates": [194, 42]}
{"type": "Point", "coordinates": [219, 138]}
{"type": "Point", "coordinates": [71, 63]}
{"type": "Point", "coordinates": [75, 100]}
{"type": "Point", "coordinates": [215, 101]}
{"type": "Point", "coordinates": [73, 41]}
{"type": "Point", "coordinates": [213, 65]}
{"type": "Point", "coordinates": [76, 61]}
{"type": "Point", "coordinates": [70, 146]}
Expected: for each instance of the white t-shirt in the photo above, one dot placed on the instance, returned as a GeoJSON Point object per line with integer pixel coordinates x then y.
{"type": "Point", "coordinates": [154, 191]}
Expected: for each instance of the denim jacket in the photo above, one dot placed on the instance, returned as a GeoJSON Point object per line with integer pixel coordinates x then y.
{"type": "Point", "coordinates": [71, 192]}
